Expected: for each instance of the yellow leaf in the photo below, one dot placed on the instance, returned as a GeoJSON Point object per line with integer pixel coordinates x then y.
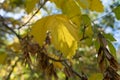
{"type": "Point", "coordinates": [58, 65]}
{"type": "Point", "coordinates": [94, 5]}
{"type": "Point", "coordinates": [30, 4]}
{"type": "Point", "coordinates": [2, 57]}
{"type": "Point", "coordinates": [39, 30]}
{"type": "Point", "coordinates": [64, 34]}
{"type": "Point", "coordinates": [85, 4]}
{"type": "Point", "coordinates": [59, 3]}
{"type": "Point", "coordinates": [71, 9]}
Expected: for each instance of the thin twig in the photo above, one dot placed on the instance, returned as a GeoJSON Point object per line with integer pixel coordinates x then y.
{"type": "Point", "coordinates": [64, 61]}
{"type": "Point", "coordinates": [3, 30]}
{"type": "Point", "coordinates": [8, 77]}
{"type": "Point", "coordinates": [80, 76]}
{"type": "Point", "coordinates": [33, 15]}
{"type": "Point", "coordinates": [84, 30]}
{"type": "Point", "coordinates": [57, 60]}
{"type": "Point", "coordinates": [4, 24]}
{"type": "Point", "coordinates": [53, 59]}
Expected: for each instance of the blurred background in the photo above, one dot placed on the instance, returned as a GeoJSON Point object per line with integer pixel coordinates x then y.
{"type": "Point", "coordinates": [15, 14]}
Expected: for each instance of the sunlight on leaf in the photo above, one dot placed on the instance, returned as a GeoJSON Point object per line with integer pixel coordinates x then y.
{"type": "Point", "coordinates": [39, 30]}
{"type": "Point", "coordinates": [64, 33]}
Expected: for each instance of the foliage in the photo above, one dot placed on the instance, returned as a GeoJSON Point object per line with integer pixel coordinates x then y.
{"type": "Point", "coordinates": [62, 46]}
{"type": "Point", "coordinates": [117, 13]}
{"type": "Point", "coordinates": [30, 5]}
{"type": "Point", "coordinates": [94, 5]}
{"type": "Point", "coordinates": [64, 34]}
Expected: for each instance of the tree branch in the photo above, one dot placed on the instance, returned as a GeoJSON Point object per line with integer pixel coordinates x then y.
{"type": "Point", "coordinates": [57, 60]}
{"type": "Point", "coordinates": [64, 61]}
{"type": "Point", "coordinates": [80, 76]}
{"type": "Point", "coordinates": [102, 16]}
{"type": "Point", "coordinates": [4, 24]}
{"type": "Point", "coordinates": [8, 77]}
{"type": "Point", "coordinates": [33, 15]}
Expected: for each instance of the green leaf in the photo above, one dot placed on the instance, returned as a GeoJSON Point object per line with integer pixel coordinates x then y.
{"type": "Point", "coordinates": [112, 49]}
{"type": "Point", "coordinates": [88, 41]}
{"type": "Point", "coordinates": [64, 35]}
{"type": "Point", "coordinates": [30, 4]}
{"type": "Point", "coordinates": [117, 12]}
{"type": "Point", "coordinates": [97, 45]}
{"type": "Point", "coordinates": [89, 31]}
{"type": "Point", "coordinates": [86, 22]}
{"type": "Point", "coordinates": [109, 37]}
{"type": "Point", "coordinates": [96, 76]}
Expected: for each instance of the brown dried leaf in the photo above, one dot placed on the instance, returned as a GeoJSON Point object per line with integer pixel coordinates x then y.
{"type": "Point", "coordinates": [111, 74]}
{"type": "Point", "coordinates": [113, 63]}
{"type": "Point", "coordinates": [102, 40]}
{"type": "Point", "coordinates": [68, 72]}
{"type": "Point", "coordinates": [50, 71]}
{"type": "Point", "coordinates": [101, 60]}
{"type": "Point", "coordinates": [42, 61]}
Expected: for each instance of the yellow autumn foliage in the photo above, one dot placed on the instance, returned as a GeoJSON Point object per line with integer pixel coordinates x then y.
{"type": "Point", "coordinates": [64, 34]}
{"type": "Point", "coordinates": [58, 65]}
{"type": "Point", "coordinates": [30, 4]}
{"type": "Point", "coordinates": [71, 9]}
{"type": "Point", "coordinates": [94, 5]}
{"type": "Point", "coordinates": [2, 57]}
